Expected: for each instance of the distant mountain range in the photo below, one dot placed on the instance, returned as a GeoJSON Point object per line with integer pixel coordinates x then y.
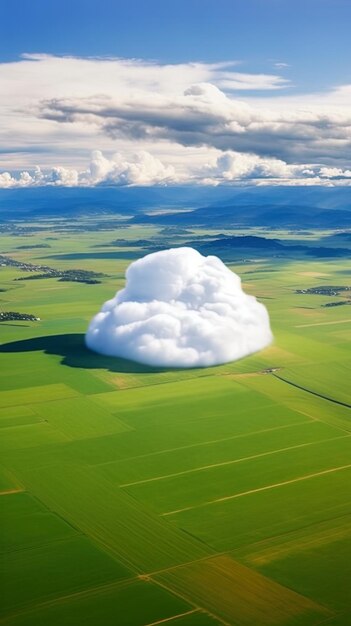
{"type": "Point", "coordinates": [210, 207]}
{"type": "Point", "coordinates": [231, 247]}
{"type": "Point", "coordinates": [270, 216]}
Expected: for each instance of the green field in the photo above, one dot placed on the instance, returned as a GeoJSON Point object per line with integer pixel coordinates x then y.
{"type": "Point", "coordinates": [136, 496]}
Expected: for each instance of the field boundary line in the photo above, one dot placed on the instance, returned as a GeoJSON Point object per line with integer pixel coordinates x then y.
{"type": "Point", "coordinates": [189, 601]}
{"type": "Point", "coordinates": [8, 492]}
{"type": "Point", "coordinates": [170, 619]}
{"type": "Point", "coordinates": [206, 443]}
{"type": "Point", "coordinates": [171, 568]}
{"type": "Point", "coordinates": [322, 323]}
{"type": "Point", "coordinates": [266, 488]}
{"type": "Point", "coordinates": [31, 404]}
{"type": "Point", "coordinates": [161, 382]}
{"type": "Point", "coordinates": [324, 421]}
{"type": "Point", "coordinates": [314, 393]}
{"type": "Point", "coordinates": [44, 544]}
{"type": "Point", "coordinates": [255, 545]}
{"type": "Point", "coordinates": [242, 459]}
{"type": "Point", "coordinates": [34, 606]}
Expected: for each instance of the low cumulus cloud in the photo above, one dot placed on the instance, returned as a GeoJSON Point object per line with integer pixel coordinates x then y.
{"type": "Point", "coordinates": [57, 176]}
{"type": "Point", "coordinates": [142, 169]}
{"type": "Point", "coordinates": [180, 309]}
{"type": "Point", "coordinates": [235, 166]}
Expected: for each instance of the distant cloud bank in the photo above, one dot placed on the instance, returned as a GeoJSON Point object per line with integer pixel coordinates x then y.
{"type": "Point", "coordinates": [141, 169]}
{"type": "Point", "coordinates": [144, 169]}
{"type": "Point", "coordinates": [180, 309]}
{"type": "Point", "coordinates": [157, 124]}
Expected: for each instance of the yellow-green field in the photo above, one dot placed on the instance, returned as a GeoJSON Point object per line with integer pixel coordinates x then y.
{"type": "Point", "coordinates": [134, 497]}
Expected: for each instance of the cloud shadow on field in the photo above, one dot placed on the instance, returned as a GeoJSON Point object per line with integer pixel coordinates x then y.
{"type": "Point", "coordinates": [74, 353]}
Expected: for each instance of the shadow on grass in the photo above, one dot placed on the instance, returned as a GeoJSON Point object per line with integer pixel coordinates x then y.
{"type": "Point", "coordinates": [74, 353]}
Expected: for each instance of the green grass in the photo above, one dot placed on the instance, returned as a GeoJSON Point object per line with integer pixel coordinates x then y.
{"type": "Point", "coordinates": [80, 418]}
{"type": "Point", "coordinates": [318, 377]}
{"type": "Point", "coordinates": [198, 457]}
{"type": "Point", "coordinates": [27, 524]}
{"type": "Point", "coordinates": [256, 516]}
{"type": "Point", "coordinates": [41, 572]}
{"type": "Point", "coordinates": [8, 481]}
{"type": "Point", "coordinates": [15, 412]}
{"type": "Point", "coordinates": [29, 435]}
{"type": "Point", "coordinates": [238, 595]}
{"type": "Point", "coordinates": [316, 562]}
{"type": "Point", "coordinates": [137, 604]}
{"type": "Point", "coordinates": [215, 483]}
{"type": "Point", "coordinates": [112, 519]}
{"type": "Point", "coordinates": [41, 393]}
{"type": "Point", "coordinates": [100, 456]}
{"type": "Point", "coordinates": [196, 618]}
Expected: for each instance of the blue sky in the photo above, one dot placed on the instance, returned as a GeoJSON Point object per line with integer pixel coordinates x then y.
{"type": "Point", "coordinates": [288, 57]}
{"type": "Point", "coordinates": [313, 36]}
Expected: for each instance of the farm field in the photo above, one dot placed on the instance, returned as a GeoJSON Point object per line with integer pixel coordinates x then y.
{"type": "Point", "coordinates": [136, 496]}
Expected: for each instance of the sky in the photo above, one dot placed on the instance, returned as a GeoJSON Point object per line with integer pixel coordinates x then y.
{"type": "Point", "coordinates": [189, 92]}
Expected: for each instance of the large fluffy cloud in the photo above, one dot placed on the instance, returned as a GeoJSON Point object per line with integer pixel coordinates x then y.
{"type": "Point", "coordinates": [180, 309]}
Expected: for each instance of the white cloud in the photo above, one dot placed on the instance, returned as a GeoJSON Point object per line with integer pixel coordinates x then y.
{"type": "Point", "coordinates": [230, 167]}
{"type": "Point", "coordinates": [334, 172]}
{"type": "Point", "coordinates": [24, 179]}
{"type": "Point", "coordinates": [56, 177]}
{"type": "Point", "coordinates": [180, 309]}
{"type": "Point", "coordinates": [238, 81]}
{"type": "Point", "coordinates": [203, 115]}
{"type": "Point", "coordinates": [25, 83]}
{"type": "Point", "coordinates": [235, 166]}
{"type": "Point", "coordinates": [165, 123]}
{"type": "Point", "coordinates": [143, 169]}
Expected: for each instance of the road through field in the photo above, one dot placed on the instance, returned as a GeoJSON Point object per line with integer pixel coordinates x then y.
{"type": "Point", "coordinates": [314, 393]}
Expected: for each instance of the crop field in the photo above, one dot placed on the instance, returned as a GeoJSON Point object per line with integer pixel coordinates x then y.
{"type": "Point", "coordinates": [136, 496]}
